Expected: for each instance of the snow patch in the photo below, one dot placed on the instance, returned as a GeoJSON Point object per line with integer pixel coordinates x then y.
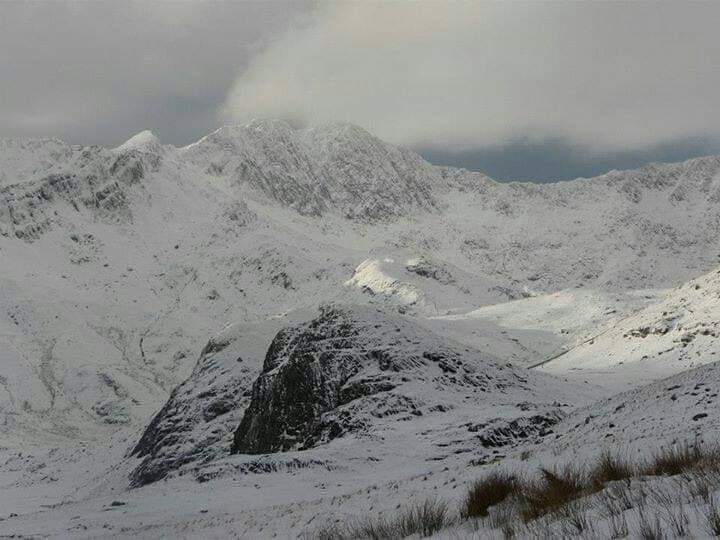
{"type": "Point", "coordinates": [145, 140]}
{"type": "Point", "coordinates": [370, 276]}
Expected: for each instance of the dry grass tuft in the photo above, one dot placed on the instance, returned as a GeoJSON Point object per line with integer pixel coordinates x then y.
{"type": "Point", "coordinates": [649, 528]}
{"type": "Point", "coordinates": [712, 517]}
{"type": "Point", "coordinates": [674, 460]}
{"type": "Point", "coordinates": [423, 519]}
{"type": "Point", "coordinates": [556, 488]}
{"type": "Point", "coordinates": [489, 491]}
{"type": "Point", "coordinates": [610, 468]}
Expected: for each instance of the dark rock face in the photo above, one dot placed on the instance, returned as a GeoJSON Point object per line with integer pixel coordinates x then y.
{"type": "Point", "coordinates": [302, 378]}
{"type": "Point", "coordinates": [499, 433]}
{"type": "Point", "coordinates": [340, 372]}
{"type": "Point", "coordinates": [197, 422]}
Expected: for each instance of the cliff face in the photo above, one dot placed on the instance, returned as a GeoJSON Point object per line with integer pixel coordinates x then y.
{"type": "Point", "coordinates": [197, 421]}
{"type": "Point", "coordinates": [337, 169]}
{"type": "Point", "coordinates": [305, 375]}
{"type": "Point", "coordinates": [351, 369]}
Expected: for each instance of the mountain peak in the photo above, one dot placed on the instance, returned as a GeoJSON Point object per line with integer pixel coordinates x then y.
{"type": "Point", "coordinates": [268, 124]}
{"type": "Point", "coordinates": [145, 140]}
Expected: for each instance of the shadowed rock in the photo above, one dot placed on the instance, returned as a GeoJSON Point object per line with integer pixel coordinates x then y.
{"type": "Point", "coordinates": [337, 373]}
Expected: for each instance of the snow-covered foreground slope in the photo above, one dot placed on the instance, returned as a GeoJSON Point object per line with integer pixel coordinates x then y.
{"type": "Point", "coordinates": [680, 408]}
{"type": "Point", "coordinates": [345, 405]}
{"type": "Point", "coordinates": [150, 278]}
{"type": "Point", "coordinates": [663, 440]}
{"type": "Point", "coordinates": [437, 454]}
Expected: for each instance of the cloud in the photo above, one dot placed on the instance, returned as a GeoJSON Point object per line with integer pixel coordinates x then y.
{"type": "Point", "coordinates": [608, 77]}
{"type": "Point", "coordinates": [97, 72]}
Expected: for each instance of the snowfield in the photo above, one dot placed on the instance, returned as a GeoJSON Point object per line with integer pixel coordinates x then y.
{"type": "Point", "coordinates": [667, 337]}
{"type": "Point", "coordinates": [275, 329]}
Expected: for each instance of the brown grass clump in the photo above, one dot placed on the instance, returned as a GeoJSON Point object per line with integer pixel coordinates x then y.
{"type": "Point", "coordinates": [493, 489]}
{"type": "Point", "coordinates": [674, 460]}
{"type": "Point", "coordinates": [555, 489]}
{"type": "Point", "coordinates": [423, 519]}
{"type": "Point", "coordinates": [610, 468]}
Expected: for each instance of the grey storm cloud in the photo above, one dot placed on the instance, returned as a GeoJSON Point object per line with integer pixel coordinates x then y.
{"type": "Point", "coordinates": [561, 88]}
{"type": "Point", "coordinates": [95, 72]}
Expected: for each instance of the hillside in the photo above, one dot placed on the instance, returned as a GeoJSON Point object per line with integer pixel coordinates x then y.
{"type": "Point", "coordinates": [105, 252]}
{"type": "Point", "coordinates": [676, 333]}
{"type": "Point", "coordinates": [158, 306]}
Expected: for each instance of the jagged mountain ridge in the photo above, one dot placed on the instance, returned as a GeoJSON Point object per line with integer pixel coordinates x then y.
{"type": "Point", "coordinates": [342, 168]}
{"type": "Point", "coordinates": [98, 183]}
{"type": "Point", "coordinates": [339, 168]}
{"type": "Point", "coordinates": [263, 219]}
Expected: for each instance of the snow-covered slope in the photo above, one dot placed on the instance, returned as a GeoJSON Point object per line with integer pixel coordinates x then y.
{"type": "Point", "coordinates": [350, 372]}
{"type": "Point", "coordinates": [681, 408]}
{"type": "Point", "coordinates": [339, 168]}
{"type": "Point", "coordinates": [135, 277]}
{"type": "Point", "coordinates": [23, 159]}
{"type": "Point", "coordinates": [677, 333]}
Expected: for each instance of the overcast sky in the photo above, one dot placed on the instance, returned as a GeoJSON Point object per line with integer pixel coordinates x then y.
{"type": "Point", "coordinates": [518, 90]}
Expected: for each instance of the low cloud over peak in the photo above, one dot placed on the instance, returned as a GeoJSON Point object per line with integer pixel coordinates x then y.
{"type": "Point", "coordinates": [516, 89]}
{"type": "Point", "coordinates": [608, 77]}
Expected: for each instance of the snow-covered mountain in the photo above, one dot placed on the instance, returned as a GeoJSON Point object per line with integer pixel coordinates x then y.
{"type": "Point", "coordinates": [159, 303]}
{"type": "Point", "coordinates": [351, 377]}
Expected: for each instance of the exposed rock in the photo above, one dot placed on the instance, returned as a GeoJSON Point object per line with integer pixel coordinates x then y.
{"type": "Point", "coordinates": [98, 183]}
{"type": "Point", "coordinates": [429, 269]}
{"type": "Point", "coordinates": [498, 433]}
{"type": "Point", "coordinates": [338, 168]}
{"type": "Point", "coordinates": [345, 369]}
{"type": "Point", "coordinates": [197, 421]}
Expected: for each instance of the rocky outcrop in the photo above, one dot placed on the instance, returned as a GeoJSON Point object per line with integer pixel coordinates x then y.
{"type": "Point", "coordinates": [348, 368]}
{"type": "Point", "coordinates": [354, 372]}
{"type": "Point", "coordinates": [97, 181]}
{"type": "Point", "coordinates": [303, 377]}
{"type": "Point", "coordinates": [499, 433]}
{"type": "Point", "coordinates": [197, 422]}
{"type": "Point", "coordinates": [424, 267]}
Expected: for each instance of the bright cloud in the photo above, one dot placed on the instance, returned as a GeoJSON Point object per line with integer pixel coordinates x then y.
{"type": "Point", "coordinates": [457, 75]}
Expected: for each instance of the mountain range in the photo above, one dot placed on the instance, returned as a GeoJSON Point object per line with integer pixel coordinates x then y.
{"type": "Point", "coordinates": [276, 323]}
